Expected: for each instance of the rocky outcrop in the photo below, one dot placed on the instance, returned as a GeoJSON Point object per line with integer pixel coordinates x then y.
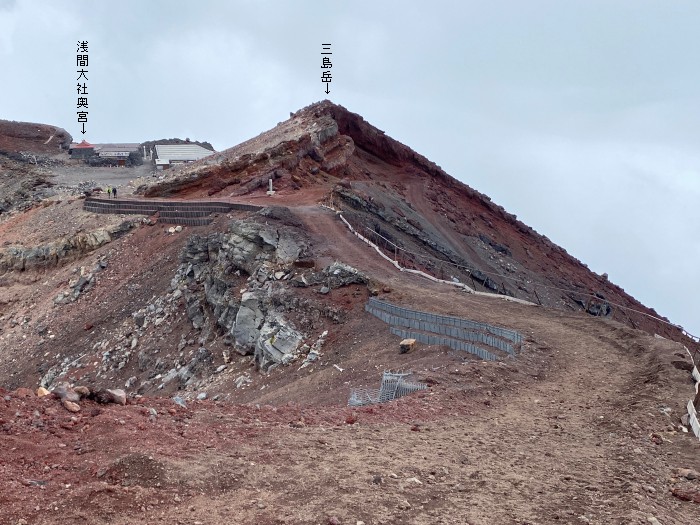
{"type": "Point", "coordinates": [240, 285]}
{"type": "Point", "coordinates": [84, 280]}
{"type": "Point", "coordinates": [21, 258]}
{"type": "Point", "coordinates": [227, 282]}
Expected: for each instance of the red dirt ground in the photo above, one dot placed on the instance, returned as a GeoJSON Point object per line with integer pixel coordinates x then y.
{"type": "Point", "coordinates": [574, 430]}
{"type": "Point", "coordinates": [583, 426]}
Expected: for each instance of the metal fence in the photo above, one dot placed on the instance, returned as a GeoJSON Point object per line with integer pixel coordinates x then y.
{"type": "Point", "coordinates": [429, 339]}
{"type": "Point", "coordinates": [407, 313]}
{"type": "Point", "coordinates": [458, 334]}
{"type": "Point", "coordinates": [394, 385]}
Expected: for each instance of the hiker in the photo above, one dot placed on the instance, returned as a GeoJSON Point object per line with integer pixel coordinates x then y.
{"type": "Point", "coordinates": [114, 192]}
{"type": "Point", "coordinates": [109, 192]}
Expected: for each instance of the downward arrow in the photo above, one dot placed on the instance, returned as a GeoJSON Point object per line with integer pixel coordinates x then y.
{"type": "Point", "coordinates": [327, 90]}
{"type": "Point", "coordinates": [83, 132]}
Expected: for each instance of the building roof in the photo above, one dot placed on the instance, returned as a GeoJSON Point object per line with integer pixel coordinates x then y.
{"type": "Point", "coordinates": [83, 144]}
{"type": "Point", "coordinates": [124, 146]}
{"type": "Point", "coordinates": [181, 152]}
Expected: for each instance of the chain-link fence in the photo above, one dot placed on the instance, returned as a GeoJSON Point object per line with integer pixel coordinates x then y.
{"type": "Point", "coordinates": [394, 385]}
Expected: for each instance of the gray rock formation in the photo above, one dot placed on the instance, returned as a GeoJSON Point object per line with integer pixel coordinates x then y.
{"type": "Point", "coordinates": [21, 258]}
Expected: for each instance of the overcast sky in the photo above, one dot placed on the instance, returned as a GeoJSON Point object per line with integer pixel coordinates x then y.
{"type": "Point", "coordinates": [580, 116]}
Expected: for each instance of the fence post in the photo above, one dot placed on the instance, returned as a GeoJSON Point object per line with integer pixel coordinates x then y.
{"type": "Point", "coordinates": [538, 297]}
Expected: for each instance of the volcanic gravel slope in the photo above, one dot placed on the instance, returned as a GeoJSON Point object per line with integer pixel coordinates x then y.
{"type": "Point", "coordinates": [325, 152]}
{"type": "Point", "coordinates": [582, 426]}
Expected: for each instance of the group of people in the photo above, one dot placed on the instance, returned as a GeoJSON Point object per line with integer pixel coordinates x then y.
{"type": "Point", "coordinates": [111, 192]}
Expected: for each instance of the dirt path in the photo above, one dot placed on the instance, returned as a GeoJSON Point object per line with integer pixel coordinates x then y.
{"type": "Point", "coordinates": [572, 431]}
{"type": "Point", "coordinates": [324, 224]}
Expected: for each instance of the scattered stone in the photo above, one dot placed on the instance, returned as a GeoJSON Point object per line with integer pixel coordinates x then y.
{"type": "Point", "coordinates": [404, 505]}
{"type": "Point", "coordinates": [179, 401]}
{"type": "Point", "coordinates": [70, 405]}
{"type": "Point", "coordinates": [82, 391]}
{"type": "Point", "coordinates": [24, 392]}
{"type": "Point", "coordinates": [333, 520]}
{"type": "Point", "coordinates": [178, 229]}
{"type": "Point", "coordinates": [201, 396]}
{"type": "Point", "coordinates": [220, 369]}
{"type": "Point", "coordinates": [324, 290]}
{"type": "Point", "coordinates": [687, 494]}
{"type": "Point", "coordinates": [242, 381]}
{"type": "Point", "coordinates": [407, 345]}
{"type": "Point", "coordinates": [653, 520]}
{"type": "Point", "coordinates": [41, 392]}
{"type": "Point", "coordinates": [688, 473]}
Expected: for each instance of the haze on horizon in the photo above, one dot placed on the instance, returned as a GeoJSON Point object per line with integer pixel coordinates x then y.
{"type": "Point", "coordinates": [580, 117]}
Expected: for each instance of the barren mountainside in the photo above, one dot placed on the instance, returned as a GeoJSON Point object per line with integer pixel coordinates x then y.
{"type": "Point", "coordinates": [371, 342]}
{"type": "Point", "coordinates": [324, 152]}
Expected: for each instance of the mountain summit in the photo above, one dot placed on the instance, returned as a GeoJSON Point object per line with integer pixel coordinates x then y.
{"type": "Point", "coordinates": [436, 223]}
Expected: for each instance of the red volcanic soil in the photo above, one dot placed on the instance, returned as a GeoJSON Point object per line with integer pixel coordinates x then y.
{"type": "Point", "coordinates": [582, 424]}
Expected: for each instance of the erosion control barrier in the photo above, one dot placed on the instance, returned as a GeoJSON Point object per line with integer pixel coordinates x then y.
{"type": "Point", "coordinates": [394, 385]}
{"type": "Point", "coordinates": [454, 332]}
{"type": "Point", "coordinates": [692, 413]}
{"type": "Point", "coordinates": [418, 272]}
{"type": "Point", "coordinates": [187, 213]}
{"type": "Point", "coordinates": [429, 339]}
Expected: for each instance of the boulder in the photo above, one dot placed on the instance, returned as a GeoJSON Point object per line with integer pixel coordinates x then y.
{"type": "Point", "coordinates": [41, 392]}
{"type": "Point", "coordinates": [65, 393]}
{"type": "Point", "coordinates": [105, 396]}
{"type": "Point", "coordinates": [70, 405]}
{"type": "Point", "coordinates": [82, 391]}
{"type": "Point", "coordinates": [23, 392]}
{"type": "Point", "coordinates": [249, 319]}
{"type": "Point", "coordinates": [194, 310]}
{"type": "Point", "coordinates": [278, 343]}
{"type": "Point", "coordinates": [407, 345]}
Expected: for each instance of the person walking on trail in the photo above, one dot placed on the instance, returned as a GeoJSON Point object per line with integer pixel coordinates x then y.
{"type": "Point", "coordinates": [114, 192]}
{"type": "Point", "coordinates": [109, 192]}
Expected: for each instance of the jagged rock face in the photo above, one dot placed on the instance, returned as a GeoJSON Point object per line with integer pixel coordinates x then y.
{"type": "Point", "coordinates": [240, 283]}
{"type": "Point", "coordinates": [228, 281]}
{"type": "Point", "coordinates": [21, 258]}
